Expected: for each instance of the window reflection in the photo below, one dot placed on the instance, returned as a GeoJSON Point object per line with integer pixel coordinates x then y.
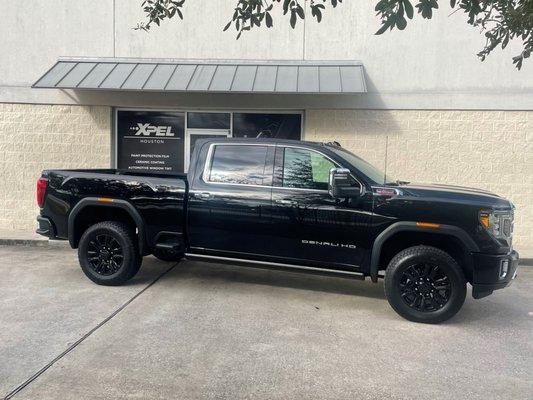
{"type": "Point", "coordinates": [305, 169]}
{"type": "Point", "coordinates": [279, 126]}
{"type": "Point", "coordinates": [238, 164]}
{"type": "Point", "coordinates": [211, 120]}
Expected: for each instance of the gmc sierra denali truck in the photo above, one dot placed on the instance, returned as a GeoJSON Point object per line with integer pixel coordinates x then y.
{"type": "Point", "coordinates": [291, 205]}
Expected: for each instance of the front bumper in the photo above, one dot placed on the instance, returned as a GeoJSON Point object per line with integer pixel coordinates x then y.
{"type": "Point", "coordinates": [487, 272]}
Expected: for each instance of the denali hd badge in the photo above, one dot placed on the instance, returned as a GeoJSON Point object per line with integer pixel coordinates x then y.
{"type": "Point", "coordinates": [148, 129]}
{"type": "Point", "coordinates": [331, 244]}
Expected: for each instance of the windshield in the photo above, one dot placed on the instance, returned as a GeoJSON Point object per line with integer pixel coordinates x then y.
{"type": "Point", "coordinates": [361, 165]}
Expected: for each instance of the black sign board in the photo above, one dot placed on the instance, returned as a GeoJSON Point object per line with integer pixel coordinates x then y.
{"type": "Point", "coordinates": [150, 141]}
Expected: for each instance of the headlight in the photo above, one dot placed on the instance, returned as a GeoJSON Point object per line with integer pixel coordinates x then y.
{"type": "Point", "coordinates": [498, 223]}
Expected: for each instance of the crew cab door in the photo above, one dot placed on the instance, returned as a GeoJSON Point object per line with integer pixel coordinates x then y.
{"type": "Point", "coordinates": [229, 201]}
{"type": "Point", "coordinates": [311, 226]}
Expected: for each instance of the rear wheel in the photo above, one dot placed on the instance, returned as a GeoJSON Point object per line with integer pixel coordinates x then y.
{"type": "Point", "coordinates": [108, 253]}
{"type": "Point", "coordinates": [425, 284]}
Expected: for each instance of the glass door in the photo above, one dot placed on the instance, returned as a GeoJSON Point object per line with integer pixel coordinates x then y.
{"type": "Point", "coordinates": [204, 125]}
{"type": "Point", "coordinates": [192, 135]}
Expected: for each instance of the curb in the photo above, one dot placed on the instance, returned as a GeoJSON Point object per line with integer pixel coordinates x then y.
{"type": "Point", "coordinates": [33, 242]}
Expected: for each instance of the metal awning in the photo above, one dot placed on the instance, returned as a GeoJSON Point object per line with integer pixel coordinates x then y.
{"type": "Point", "coordinates": [208, 76]}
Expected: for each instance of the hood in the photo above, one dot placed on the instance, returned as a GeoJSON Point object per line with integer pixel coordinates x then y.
{"type": "Point", "coordinates": [459, 194]}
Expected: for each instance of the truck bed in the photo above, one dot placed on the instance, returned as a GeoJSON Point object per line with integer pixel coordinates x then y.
{"type": "Point", "coordinates": [158, 198]}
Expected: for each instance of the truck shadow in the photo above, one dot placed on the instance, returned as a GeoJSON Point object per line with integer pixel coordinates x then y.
{"type": "Point", "coordinates": [509, 309]}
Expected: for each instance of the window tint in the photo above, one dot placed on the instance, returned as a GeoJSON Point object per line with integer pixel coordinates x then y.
{"type": "Point", "coordinates": [208, 120]}
{"type": "Point", "coordinates": [280, 126]}
{"type": "Point", "coordinates": [238, 164]}
{"type": "Point", "coordinates": [305, 169]}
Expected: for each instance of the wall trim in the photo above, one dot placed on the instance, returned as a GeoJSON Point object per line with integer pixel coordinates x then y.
{"type": "Point", "coordinates": [486, 101]}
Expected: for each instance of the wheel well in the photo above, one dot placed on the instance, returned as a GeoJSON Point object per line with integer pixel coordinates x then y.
{"type": "Point", "coordinates": [448, 243]}
{"type": "Point", "coordinates": [91, 215]}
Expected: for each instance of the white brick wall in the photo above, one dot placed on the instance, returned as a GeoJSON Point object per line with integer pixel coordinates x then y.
{"type": "Point", "coordinates": [486, 149]}
{"type": "Point", "coordinates": [37, 137]}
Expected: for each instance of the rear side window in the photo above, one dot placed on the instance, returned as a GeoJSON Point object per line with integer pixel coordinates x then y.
{"type": "Point", "coordinates": [243, 165]}
{"type": "Point", "coordinates": [305, 169]}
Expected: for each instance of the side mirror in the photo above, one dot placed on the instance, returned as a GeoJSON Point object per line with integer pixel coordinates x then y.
{"type": "Point", "coordinates": [340, 185]}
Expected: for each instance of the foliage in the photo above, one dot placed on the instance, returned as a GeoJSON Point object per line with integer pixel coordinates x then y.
{"type": "Point", "coordinates": [500, 20]}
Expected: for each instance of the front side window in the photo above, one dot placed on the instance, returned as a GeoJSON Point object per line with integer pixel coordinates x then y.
{"type": "Point", "coordinates": [244, 165]}
{"type": "Point", "coordinates": [305, 169]}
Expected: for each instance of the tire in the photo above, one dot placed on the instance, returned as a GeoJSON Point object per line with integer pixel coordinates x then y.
{"type": "Point", "coordinates": [167, 255]}
{"type": "Point", "coordinates": [425, 284]}
{"type": "Point", "coordinates": [108, 253]}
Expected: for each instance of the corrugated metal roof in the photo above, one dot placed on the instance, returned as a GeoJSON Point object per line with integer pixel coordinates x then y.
{"type": "Point", "coordinates": [223, 76]}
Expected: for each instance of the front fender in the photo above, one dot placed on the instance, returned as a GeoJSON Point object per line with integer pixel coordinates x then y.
{"type": "Point", "coordinates": [411, 226]}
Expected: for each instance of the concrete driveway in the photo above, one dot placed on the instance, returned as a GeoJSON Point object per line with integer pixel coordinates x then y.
{"type": "Point", "coordinates": [195, 330]}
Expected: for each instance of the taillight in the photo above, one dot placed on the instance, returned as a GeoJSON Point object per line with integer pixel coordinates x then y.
{"type": "Point", "coordinates": [42, 183]}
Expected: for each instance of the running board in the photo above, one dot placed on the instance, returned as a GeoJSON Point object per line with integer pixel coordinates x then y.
{"type": "Point", "coordinates": [168, 246]}
{"type": "Point", "coordinates": [275, 265]}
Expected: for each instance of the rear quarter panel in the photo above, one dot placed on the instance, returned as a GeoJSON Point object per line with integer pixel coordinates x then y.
{"type": "Point", "coordinates": [159, 199]}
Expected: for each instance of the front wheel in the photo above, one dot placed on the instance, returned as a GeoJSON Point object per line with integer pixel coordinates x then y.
{"type": "Point", "coordinates": [425, 284]}
{"type": "Point", "coordinates": [108, 253]}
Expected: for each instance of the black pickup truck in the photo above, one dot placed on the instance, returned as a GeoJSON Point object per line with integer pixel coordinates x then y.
{"type": "Point", "coordinates": [291, 205]}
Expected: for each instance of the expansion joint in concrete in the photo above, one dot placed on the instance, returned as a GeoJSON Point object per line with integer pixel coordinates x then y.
{"type": "Point", "coordinates": [32, 378]}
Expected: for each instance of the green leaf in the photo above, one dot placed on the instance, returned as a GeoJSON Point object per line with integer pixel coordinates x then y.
{"type": "Point", "coordinates": [384, 27]}
{"type": "Point", "coordinates": [293, 19]}
{"type": "Point", "coordinates": [227, 26]}
{"type": "Point", "coordinates": [268, 19]}
{"type": "Point", "coordinates": [505, 42]}
{"type": "Point", "coordinates": [381, 5]}
{"type": "Point", "coordinates": [286, 6]}
{"type": "Point", "coordinates": [300, 11]}
{"type": "Point", "coordinates": [318, 15]}
{"type": "Point", "coordinates": [401, 22]}
{"type": "Point", "coordinates": [408, 9]}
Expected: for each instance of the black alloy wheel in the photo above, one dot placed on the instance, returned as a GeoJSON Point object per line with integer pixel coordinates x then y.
{"type": "Point", "coordinates": [425, 287]}
{"type": "Point", "coordinates": [425, 284]}
{"type": "Point", "coordinates": [105, 254]}
{"type": "Point", "coordinates": [108, 253]}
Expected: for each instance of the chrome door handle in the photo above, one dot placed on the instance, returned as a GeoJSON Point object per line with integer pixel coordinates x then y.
{"type": "Point", "coordinates": [202, 195]}
{"type": "Point", "coordinates": [287, 202]}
